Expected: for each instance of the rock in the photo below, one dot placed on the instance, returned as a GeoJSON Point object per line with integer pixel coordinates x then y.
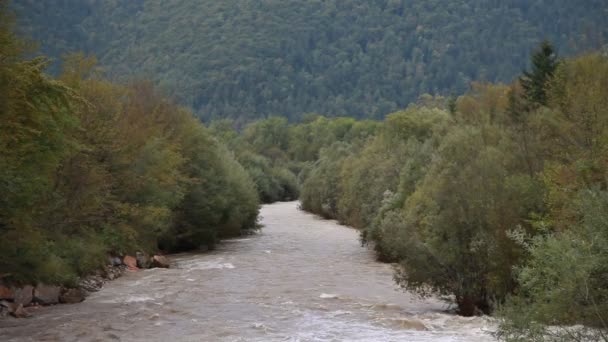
{"type": "Point", "coordinates": [91, 283]}
{"type": "Point", "coordinates": [71, 296]}
{"type": "Point", "coordinates": [24, 295]}
{"type": "Point", "coordinates": [114, 261]}
{"type": "Point", "coordinates": [143, 260]}
{"type": "Point", "coordinates": [160, 261]}
{"type": "Point", "coordinates": [20, 312]}
{"type": "Point", "coordinates": [8, 308]}
{"type": "Point", "coordinates": [131, 262]}
{"type": "Point", "coordinates": [4, 312]}
{"type": "Point", "coordinates": [112, 273]}
{"type": "Point", "coordinates": [6, 293]}
{"type": "Point", "coordinates": [47, 294]}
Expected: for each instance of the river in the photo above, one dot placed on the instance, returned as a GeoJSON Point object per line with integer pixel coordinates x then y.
{"type": "Point", "coordinates": [300, 279]}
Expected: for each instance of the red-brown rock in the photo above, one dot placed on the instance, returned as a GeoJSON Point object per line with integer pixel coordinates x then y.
{"type": "Point", "coordinates": [6, 293]}
{"type": "Point", "coordinates": [131, 262]}
{"type": "Point", "coordinates": [160, 261]}
{"type": "Point", "coordinates": [47, 294]}
{"type": "Point", "coordinates": [24, 295]}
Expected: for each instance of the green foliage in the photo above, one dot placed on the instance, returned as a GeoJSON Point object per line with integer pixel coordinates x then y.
{"type": "Point", "coordinates": [496, 198]}
{"type": "Point", "coordinates": [278, 155]}
{"type": "Point", "coordinates": [564, 283]}
{"type": "Point", "coordinates": [270, 137]}
{"type": "Point", "coordinates": [377, 169]}
{"type": "Point", "coordinates": [544, 63]}
{"type": "Point", "coordinates": [362, 58]}
{"type": "Point", "coordinates": [262, 150]}
{"type": "Point", "coordinates": [36, 128]}
{"type": "Point", "coordinates": [456, 222]}
{"type": "Point", "coordinates": [578, 133]}
{"type": "Point", "coordinates": [309, 137]}
{"type": "Point", "coordinates": [321, 190]}
{"type": "Point", "coordinates": [221, 198]}
{"type": "Point", "coordinates": [448, 196]}
{"type": "Point", "coordinates": [89, 168]}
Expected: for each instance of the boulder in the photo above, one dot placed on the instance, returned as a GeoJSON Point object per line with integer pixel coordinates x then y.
{"type": "Point", "coordinates": [160, 261]}
{"type": "Point", "coordinates": [24, 295]}
{"type": "Point", "coordinates": [6, 293]}
{"type": "Point", "coordinates": [47, 294]}
{"type": "Point", "coordinates": [91, 283]}
{"type": "Point", "coordinates": [115, 271]}
{"type": "Point", "coordinates": [131, 262]}
{"type": "Point", "coordinates": [8, 308]}
{"type": "Point", "coordinates": [4, 312]}
{"type": "Point", "coordinates": [71, 296]}
{"type": "Point", "coordinates": [143, 260]}
{"type": "Point", "coordinates": [20, 312]}
{"type": "Point", "coordinates": [114, 261]}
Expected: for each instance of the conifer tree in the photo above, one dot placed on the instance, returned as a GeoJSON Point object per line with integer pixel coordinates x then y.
{"type": "Point", "coordinates": [544, 63]}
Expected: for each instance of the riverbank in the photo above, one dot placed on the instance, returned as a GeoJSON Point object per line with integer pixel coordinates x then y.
{"type": "Point", "coordinates": [300, 278]}
{"type": "Point", "coordinates": [23, 301]}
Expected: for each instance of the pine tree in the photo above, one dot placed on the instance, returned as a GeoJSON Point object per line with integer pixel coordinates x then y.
{"type": "Point", "coordinates": [544, 63]}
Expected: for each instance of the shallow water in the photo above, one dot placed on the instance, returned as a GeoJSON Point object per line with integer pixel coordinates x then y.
{"type": "Point", "coordinates": [300, 279]}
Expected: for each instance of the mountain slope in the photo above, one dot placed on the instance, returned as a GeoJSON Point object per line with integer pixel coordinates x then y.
{"type": "Point", "coordinates": [364, 58]}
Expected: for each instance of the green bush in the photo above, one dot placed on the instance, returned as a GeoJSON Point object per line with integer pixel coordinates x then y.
{"type": "Point", "coordinates": [564, 283]}
{"type": "Point", "coordinates": [90, 168]}
{"type": "Point", "coordinates": [321, 190]}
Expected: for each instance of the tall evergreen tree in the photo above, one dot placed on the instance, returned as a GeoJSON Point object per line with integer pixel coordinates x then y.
{"type": "Point", "coordinates": [544, 63]}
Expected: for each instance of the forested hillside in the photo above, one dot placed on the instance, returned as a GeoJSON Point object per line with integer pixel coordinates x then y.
{"type": "Point", "coordinates": [245, 59]}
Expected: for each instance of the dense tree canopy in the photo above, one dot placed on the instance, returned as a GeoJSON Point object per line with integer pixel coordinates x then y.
{"type": "Point", "coordinates": [89, 168]}
{"type": "Point", "coordinates": [361, 58]}
{"type": "Point", "coordinates": [496, 198]}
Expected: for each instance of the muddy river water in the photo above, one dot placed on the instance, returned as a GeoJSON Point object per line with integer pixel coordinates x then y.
{"type": "Point", "coordinates": [300, 279]}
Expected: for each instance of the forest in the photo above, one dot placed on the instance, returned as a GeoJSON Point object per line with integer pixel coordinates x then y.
{"type": "Point", "coordinates": [244, 60]}
{"type": "Point", "coordinates": [90, 168]}
{"type": "Point", "coordinates": [497, 198]}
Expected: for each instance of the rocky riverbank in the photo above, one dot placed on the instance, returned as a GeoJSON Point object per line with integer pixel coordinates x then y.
{"type": "Point", "coordinates": [20, 302]}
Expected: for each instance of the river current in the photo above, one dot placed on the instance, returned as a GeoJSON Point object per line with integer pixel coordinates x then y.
{"type": "Point", "coordinates": [300, 279]}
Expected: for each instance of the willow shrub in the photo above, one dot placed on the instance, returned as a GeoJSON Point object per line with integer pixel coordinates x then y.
{"type": "Point", "coordinates": [563, 291]}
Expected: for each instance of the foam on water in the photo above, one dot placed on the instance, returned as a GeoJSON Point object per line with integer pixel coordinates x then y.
{"type": "Point", "coordinates": [328, 296]}
{"type": "Point", "coordinates": [198, 265]}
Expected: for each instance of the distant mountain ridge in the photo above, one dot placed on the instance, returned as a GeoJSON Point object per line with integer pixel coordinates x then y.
{"type": "Point", "coordinates": [246, 59]}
